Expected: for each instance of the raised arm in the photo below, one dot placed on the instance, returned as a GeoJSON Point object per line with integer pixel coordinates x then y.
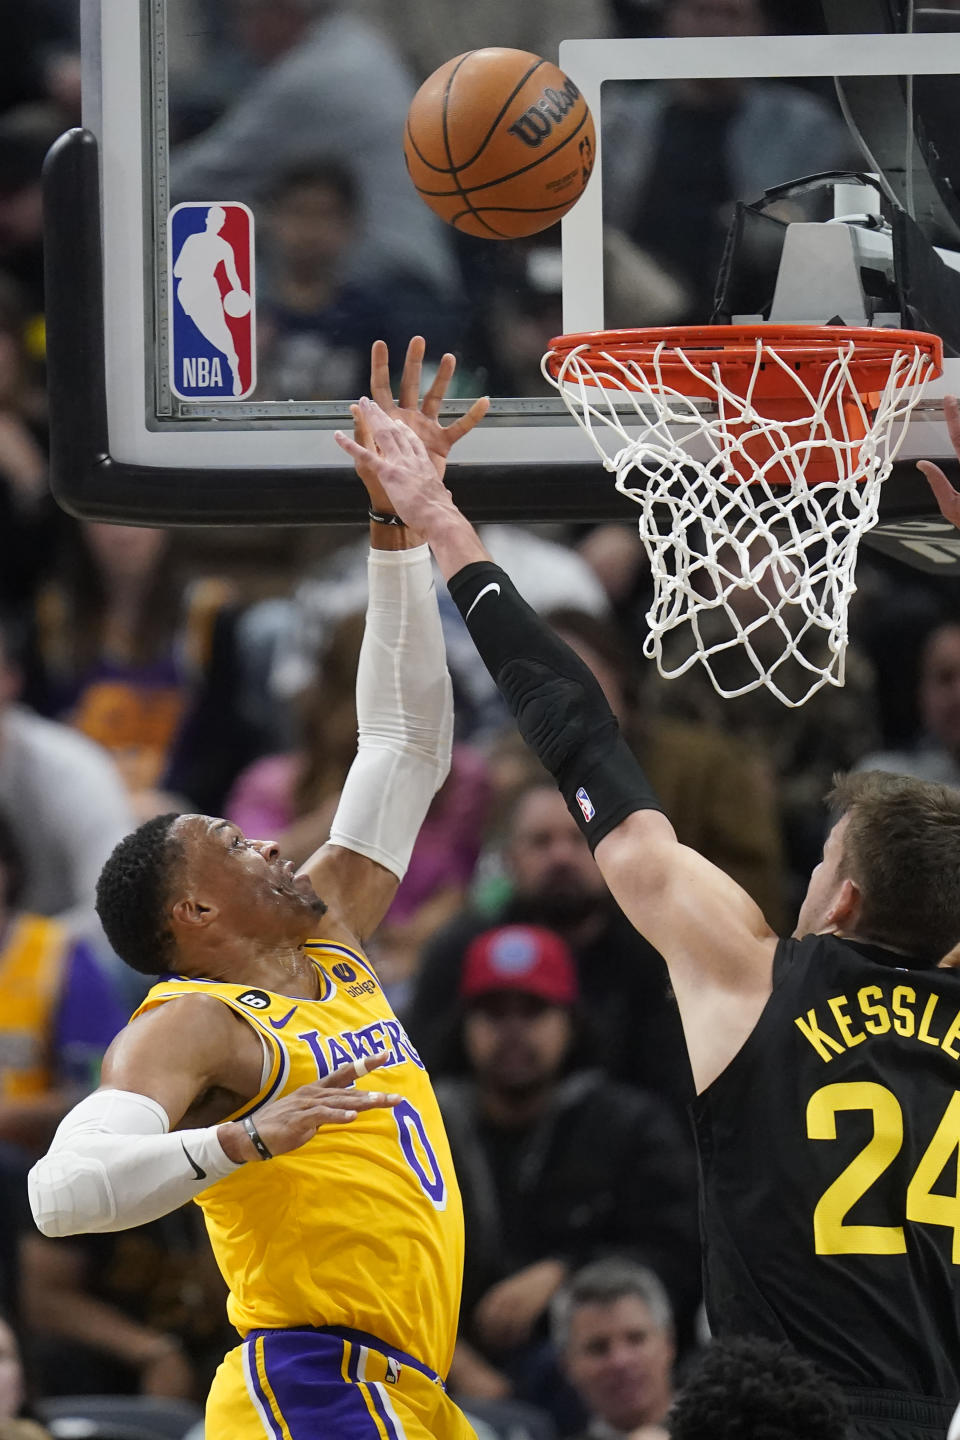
{"type": "Point", "coordinates": [404, 697]}
{"type": "Point", "coordinates": [715, 941]}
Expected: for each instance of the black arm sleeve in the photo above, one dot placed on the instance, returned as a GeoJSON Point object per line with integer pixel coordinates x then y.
{"type": "Point", "coordinates": [559, 708]}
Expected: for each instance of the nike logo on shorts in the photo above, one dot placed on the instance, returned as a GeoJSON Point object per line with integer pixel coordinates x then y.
{"type": "Point", "coordinates": [279, 1024]}
{"type": "Point", "coordinates": [200, 1174]}
{"type": "Point", "coordinates": [485, 591]}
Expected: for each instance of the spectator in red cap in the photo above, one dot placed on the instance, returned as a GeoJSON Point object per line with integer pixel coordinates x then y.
{"type": "Point", "coordinates": [554, 882]}
{"type": "Point", "coordinates": [558, 1164]}
{"type": "Point", "coordinates": [525, 959]}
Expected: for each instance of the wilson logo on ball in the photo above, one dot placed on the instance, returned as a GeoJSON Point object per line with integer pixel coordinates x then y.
{"type": "Point", "coordinates": [499, 143]}
{"type": "Point", "coordinates": [536, 123]}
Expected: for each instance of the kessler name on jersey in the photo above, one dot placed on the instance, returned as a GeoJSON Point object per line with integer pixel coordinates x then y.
{"type": "Point", "coordinates": [848, 1020]}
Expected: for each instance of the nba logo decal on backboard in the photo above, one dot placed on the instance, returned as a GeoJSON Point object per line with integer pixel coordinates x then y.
{"type": "Point", "coordinates": [212, 301]}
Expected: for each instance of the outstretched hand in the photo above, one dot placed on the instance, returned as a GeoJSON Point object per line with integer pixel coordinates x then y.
{"type": "Point", "coordinates": [947, 498]}
{"type": "Point", "coordinates": [420, 416]}
{"type": "Point", "coordinates": [399, 461]}
{"type": "Point", "coordinates": [288, 1123]}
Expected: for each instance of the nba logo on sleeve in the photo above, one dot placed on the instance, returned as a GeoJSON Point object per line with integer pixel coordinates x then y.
{"type": "Point", "coordinates": [586, 804]}
{"type": "Point", "coordinates": [212, 301]}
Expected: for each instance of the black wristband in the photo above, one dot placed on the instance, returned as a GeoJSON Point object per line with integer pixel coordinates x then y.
{"type": "Point", "coordinates": [384, 517]}
{"type": "Point", "coordinates": [558, 705]}
{"type": "Point", "coordinates": [257, 1138]}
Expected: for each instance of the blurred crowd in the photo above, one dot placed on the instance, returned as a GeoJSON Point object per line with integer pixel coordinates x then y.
{"type": "Point", "coordinates": [143, 671]}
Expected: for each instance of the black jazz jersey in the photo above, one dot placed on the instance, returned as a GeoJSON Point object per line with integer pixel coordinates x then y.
{"type": "Point", "coordinates": [830, 1159]}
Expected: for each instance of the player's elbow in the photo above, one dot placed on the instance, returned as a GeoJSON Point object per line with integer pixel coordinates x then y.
{"type": "Point", "coordinates": [70, 1195]}
{"type": "Point", "coordinates": [640, 854]}
{"type": "Point", "coordinates": [53, 1225]}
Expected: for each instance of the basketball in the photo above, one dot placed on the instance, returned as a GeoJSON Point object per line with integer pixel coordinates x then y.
{"type": "Point", "coordinates": [237, 303]}
{"type": "Point", "coordinates": [499, 143]}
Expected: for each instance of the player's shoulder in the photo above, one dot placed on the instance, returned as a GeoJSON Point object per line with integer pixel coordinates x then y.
{"type": "Point", "coordinates": [825, 955]}
{"type": "Point", "coordinates": [186, 1012]}
{"type": "Point", "coordinates": [174, 1025]}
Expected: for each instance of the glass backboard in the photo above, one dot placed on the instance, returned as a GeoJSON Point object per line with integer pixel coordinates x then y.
{"type": "Point", "coordinates": [293, 164]}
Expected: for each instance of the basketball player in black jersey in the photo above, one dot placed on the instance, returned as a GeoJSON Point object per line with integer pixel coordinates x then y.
{"type": "Point", "coordinates": [827, 1065]}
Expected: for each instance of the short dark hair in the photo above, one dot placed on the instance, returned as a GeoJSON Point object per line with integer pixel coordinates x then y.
{"type": "Point", "coordinates": [901, 848]}
{"type": "Point", "coordinates": [132, 892]}
{"type": "Point", "coordinates": [753, 1389]}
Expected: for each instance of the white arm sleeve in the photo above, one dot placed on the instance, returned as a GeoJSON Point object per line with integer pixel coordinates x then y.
{"type": "Point", "coordinates": [112, 1164]}
{"type": "Point", "coordinates": [404, 713]}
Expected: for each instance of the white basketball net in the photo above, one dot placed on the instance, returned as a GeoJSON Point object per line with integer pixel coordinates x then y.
{"type": "Point", "coordinates": [766, 566]}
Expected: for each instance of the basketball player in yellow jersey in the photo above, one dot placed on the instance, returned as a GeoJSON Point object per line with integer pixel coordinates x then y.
{"type": "Point", "coordinates": [251, 1079]}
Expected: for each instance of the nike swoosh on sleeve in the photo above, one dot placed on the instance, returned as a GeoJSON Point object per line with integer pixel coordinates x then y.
{"type": "Point", "coordinates": [200, 1174]}
{"type": "Point", "coordinates": [279, 1024]}
{"type": "Point", "coordinates": [479, 596]}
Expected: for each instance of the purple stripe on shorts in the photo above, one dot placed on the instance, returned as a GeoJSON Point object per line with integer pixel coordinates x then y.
{"type": "Point", "coordinates": [374, 1392]}
{"type": "Point", "coordinates": [263, 1404]}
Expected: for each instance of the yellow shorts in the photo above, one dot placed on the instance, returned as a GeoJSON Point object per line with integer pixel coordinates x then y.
{"type": "Point", "coordinates": [328, 1385]}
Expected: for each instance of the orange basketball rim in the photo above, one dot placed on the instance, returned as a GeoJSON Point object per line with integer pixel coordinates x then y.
{"type": "Point", "coordinates": [773, 379]}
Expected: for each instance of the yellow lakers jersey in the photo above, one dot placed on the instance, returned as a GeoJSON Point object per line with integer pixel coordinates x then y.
{"type": "Point", "coordinates": [362, 1226]}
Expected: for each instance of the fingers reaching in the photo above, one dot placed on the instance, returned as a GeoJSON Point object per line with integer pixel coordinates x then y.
{"type": "Point", "coordinates": [337, 1107]}
{"type": "Point", "coordinates": [347, 442]}
{"type": "Point", "coordinates": [347, 1074]}
{"type": "Point", "coordinates": [946, 497]}
{"type": "Point", "coordinates": [410, 378]}
{"type": "Point", "coordinates": [380, 387]}
{"type": "Point", "coordinates": [939, 483]}
{"type": "Point", "coordinates": [392, 449]}
{"type": "Point", "coordinates": [392, 437]}
{"type": "Point", "coordinates": [290, 1122]}
{"type": "Point", "coordinates": [341, 1107]}
{"type": "Point", "coordinates": [465, 424]}
{"type": "Point", "coordinates": [352, 1100]}
{"type": "Point", "coordinates": [419, 418]}
{"type": "Point", "coordinates": [361, 431]}
{"type": "Point", "coordinates": [434, 397]}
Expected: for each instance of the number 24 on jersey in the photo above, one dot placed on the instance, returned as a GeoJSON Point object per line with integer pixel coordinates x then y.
{"type": "Point", "coordinates": [921, 1204]}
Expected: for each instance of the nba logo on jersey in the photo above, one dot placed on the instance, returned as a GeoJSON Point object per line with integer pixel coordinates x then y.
{"type": "Point", "coordinates": [212, 301]}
